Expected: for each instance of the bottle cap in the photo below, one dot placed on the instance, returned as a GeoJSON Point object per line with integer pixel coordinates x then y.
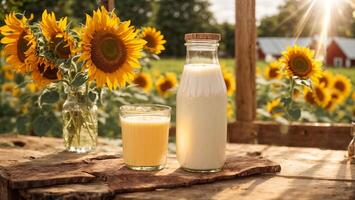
{"type": "Point", "coordinates": [202, 36]}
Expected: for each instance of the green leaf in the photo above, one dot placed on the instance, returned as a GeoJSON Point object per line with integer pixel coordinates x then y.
{"type": "Point", "coordinates": [6, 125]}
{"type": "Point", "coordinates": [278, 109]}
{"type": "Point", "coordinates": [79, 79]}
{"type": "Point", "coordinates": [304, 82]}
{"type": "Point", "coordinates": [140, 97]}
{"type": "Point", "coordinates": [49, 96]}
{"type": "Point", "coordinates": [19, 79]}
{"type": "Point", "coordinates": [286, 101]}
{"type": "Point", "coordinates": [41, 125]}
{"type": "Point", "coordinates": [93, 95]}
{"type": "Point", "coordinates": [57, 128]}
{"type": "Point", "coordinates": [295, 113]}
{"type": "Point", "coordinates": [21, 124]}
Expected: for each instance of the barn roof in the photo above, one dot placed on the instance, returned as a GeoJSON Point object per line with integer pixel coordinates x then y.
{"type": "Point", "coordinates": [276, 45]}
{"type": "Point", "coordinates": [347, 45]}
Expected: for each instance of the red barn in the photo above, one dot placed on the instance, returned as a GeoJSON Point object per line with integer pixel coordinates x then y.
{"type": "Point", "coordinates": [341, 52]}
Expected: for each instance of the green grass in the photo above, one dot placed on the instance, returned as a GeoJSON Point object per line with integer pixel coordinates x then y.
{"type": "Point", "coordinates": [176, 65]}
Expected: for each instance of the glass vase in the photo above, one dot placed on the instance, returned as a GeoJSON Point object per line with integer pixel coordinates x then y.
{"type": "Point", "coordinates": [79, 122]}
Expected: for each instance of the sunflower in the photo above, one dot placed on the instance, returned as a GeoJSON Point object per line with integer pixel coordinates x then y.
{"type": "Point", "coordinates": [165, 83]}
{"type": "Point", "coordinates": [17, 36]}
{"type": "Point", "coordinates": [321, 95]}
{"type": "Point", "coordinates": [300, 62]}
{"type": "Point", "coordinates": [60, 41]}
{"type": "Point", "coordinates": [11, 88]}
{"type": "Point", "coordinates": [229, 80]}
{"type": "Point", "coordinates": [331, 105]}
{"type": "Point", "coordinates": [353, 96]}
{"type": "Point", "coordinates": [342, 85]}
{"type": "Point", "coordinates": [45, 72]}
{"type": "Point", "coordinates": [9, 74]}
{"type": "Point", "coordinates": [230, 111]}
{"type": "Point", "coordinates": [336, 96]}
{"type": "Point", "coordinates": [308, 96]}
{"type": "Point", "coordinates": [32, 87]}
{"type": "Point", "coordinates": [272, 107]}
{"type": "Point", "coordinates": [325, 78]}
{"type": "Point", "coordinates": [110, 49]}
{"type": "Point", "coordinates": [144, 81]}
{"type": "Point", "coordinates": [155, 40]}
{"type": "Point", "coordinates": [273, 71]}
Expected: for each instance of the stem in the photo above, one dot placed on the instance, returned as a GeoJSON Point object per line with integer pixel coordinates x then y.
{"type": "Point", "coordinates": [87, 89]}
{"type": "Point", "coordinates": [292, 87]}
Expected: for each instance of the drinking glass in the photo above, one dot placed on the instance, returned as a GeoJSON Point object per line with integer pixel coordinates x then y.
{"type": "Point", "coordinates": [145, 133]}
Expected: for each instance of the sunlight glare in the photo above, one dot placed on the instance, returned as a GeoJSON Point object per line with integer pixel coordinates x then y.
{"type": "Point", "coordinates": [327, 13]}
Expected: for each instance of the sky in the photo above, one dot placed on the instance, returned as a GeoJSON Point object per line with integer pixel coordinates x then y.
{"type": "Point", "coordinates": [224, 10]}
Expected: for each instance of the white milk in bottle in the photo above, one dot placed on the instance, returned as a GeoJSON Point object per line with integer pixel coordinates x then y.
{"type": "Point", "coordinates": [201, 120]}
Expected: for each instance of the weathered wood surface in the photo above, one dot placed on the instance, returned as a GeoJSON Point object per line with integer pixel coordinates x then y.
{"type": "Point", "coordinates": [321, 135]}
{"type": "Point", "coordinates": [307, 173]}
{"type": "Point", "coordinates": [101, 174]}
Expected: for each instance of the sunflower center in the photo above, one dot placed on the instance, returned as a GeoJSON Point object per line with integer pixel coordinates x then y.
{"type": "Point", "coordinates": [48, 73]}
{"type": "Point", "coordinates": [329, 105]}
{"type": "Point", "coordinates": [273, 73]}
{"type": "Point", "coordinates": [300, 66]}
{"type": "Point", "coordinates": [8, 88]}
{"type": "Point", "coordinates": [108, 52]}
{"type": "Point", "coordinates": [60, 47]}
{"type": "Point", "coordinates": [140, 81]}
{"type": "Point", "coordinates": [22, 47]}
{"type": "Point", "coordinates": [310, 98]}
{"type": "Point", "coordinates": [166, 86]}
{"type": "Point", "coordinates": [339, 86]}
{"type": "Point", "coordinates": [151, 41]}
{"type": "Point", "coordinates": [228, 84]}
{"type": "Point", "coordinates": [323, 80]}
{"type": "Point", "coordinates": [319, 94]}
{"type": "Point", "coordinates": [335, 96]}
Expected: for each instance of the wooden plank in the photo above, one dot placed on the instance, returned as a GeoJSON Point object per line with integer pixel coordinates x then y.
{"type": "Point", "coordinates": [242, 132]}
{"type": "Point", "coordinates": [307, 173]}
{"type": "Point", "coordinates": [263, 187]}
{"type": "Point", "coordinates": [64, 168]}
{"type": "Point", "coordinates": [245, 34]}
{"type": "Point", "coordinates": [321, 135]}
{"type": "Point", "coordinates": [310, 163]}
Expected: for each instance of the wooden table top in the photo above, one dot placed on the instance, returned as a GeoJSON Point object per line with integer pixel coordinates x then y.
{"type": "Point", "coordinates": [307, 173]}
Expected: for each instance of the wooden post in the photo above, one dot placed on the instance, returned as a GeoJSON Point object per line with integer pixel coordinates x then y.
{"type": "Point", "coordinates": [245, 40]}
{"type": "Point", "coordinates": [109, 4]}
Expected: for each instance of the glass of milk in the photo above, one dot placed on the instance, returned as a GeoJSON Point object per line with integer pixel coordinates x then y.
{"type": "Point", "coordinates": [145, 133]}
{"type": "Point", "coordinates": [201, 124]}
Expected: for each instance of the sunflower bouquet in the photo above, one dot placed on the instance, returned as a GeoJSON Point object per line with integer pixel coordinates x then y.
{"type": "Point", "coordinates": [78, 63]}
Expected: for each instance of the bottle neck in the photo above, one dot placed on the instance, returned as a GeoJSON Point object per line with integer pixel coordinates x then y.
{"type": "Point", "coordinates": [202, 52]}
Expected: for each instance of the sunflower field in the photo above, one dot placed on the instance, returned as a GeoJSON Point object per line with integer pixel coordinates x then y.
{"type": "Point", "coordinates": [293, 88]}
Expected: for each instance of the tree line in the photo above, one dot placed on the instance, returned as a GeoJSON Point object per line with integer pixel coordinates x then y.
{"type": "Point", "coordinates": [175, 18]}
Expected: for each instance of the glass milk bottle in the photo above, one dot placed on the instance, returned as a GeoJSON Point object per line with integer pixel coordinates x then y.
{"type": "Point", "coordinates": [201, 119]}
